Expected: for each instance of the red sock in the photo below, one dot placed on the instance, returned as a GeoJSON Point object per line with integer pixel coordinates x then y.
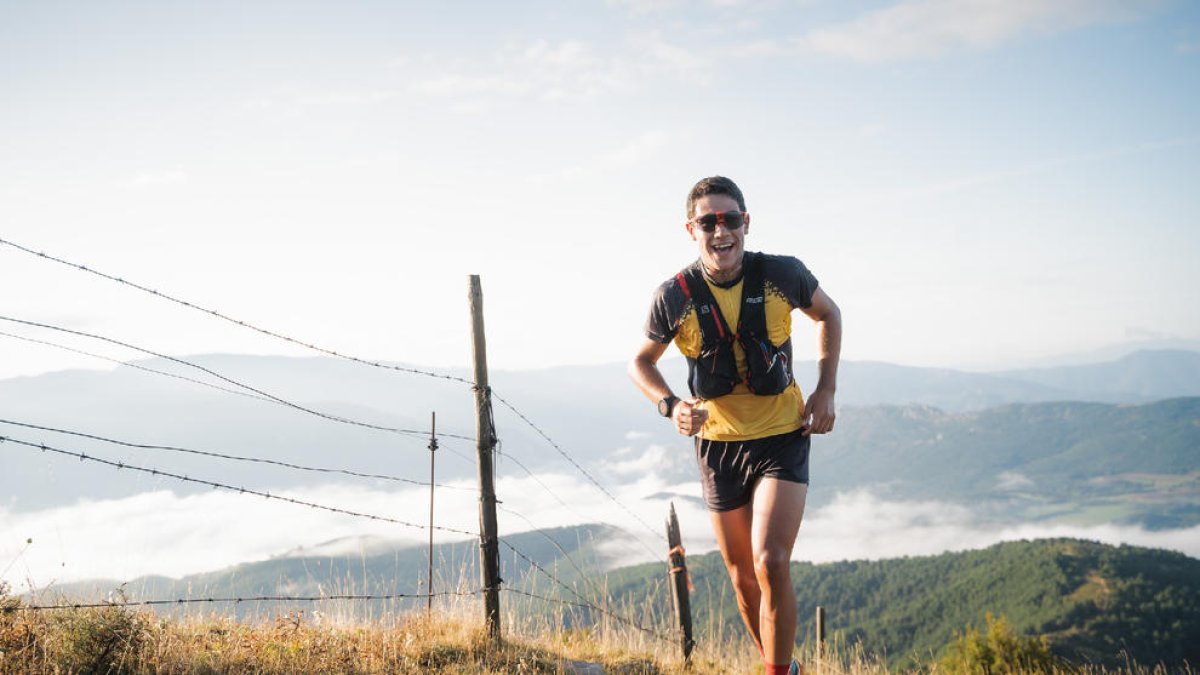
{"type": "Point", "coordinates": [774, 669]}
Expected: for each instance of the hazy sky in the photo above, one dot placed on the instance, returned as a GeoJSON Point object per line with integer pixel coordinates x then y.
{"type": "Point", "coordinates": [976, 183]}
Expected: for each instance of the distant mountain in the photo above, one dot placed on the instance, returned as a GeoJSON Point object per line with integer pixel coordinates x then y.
{"type": "Point", "coordinates": [1135, 464]}
{"type": "Point", "coordinates": [1139, 377]}
{"type": "Point", "coordinates": [928, 433]}
{"type": "Point", "coordinates": [1094, 602]}
{"type": "Point", "coordinates": [1144, 375]}
{"type": "Point", "coordinates": [1112, 352]}
{"type": "Point", "coordinates": [869, 383]}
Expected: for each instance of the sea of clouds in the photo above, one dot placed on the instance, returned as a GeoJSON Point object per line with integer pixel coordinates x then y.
{"type": "Point", "coordinates": [164, 533]}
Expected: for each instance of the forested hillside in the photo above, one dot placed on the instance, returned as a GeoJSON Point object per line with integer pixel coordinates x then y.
{"type": "Point", "coordinates": [1091, 600]}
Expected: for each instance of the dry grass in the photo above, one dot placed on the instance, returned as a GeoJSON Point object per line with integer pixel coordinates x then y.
{"type": "Point", "coordinates": [450, 640]}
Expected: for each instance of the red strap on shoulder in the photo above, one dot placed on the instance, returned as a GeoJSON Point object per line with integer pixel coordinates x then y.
{"type": "Point", "coordinates": [687, 293]}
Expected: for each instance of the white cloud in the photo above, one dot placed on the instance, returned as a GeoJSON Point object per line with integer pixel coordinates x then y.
{"type": "Point", "coordinates": [570, 69]}
{"type": "Point", "coordinates": [163, 533]}
{"type": "Point", "coordinates": [160, 532]}
{"type": "Point", "coordinates": [1011, 480]}
{"type": "Point", "coordinates": [644, 147]}
{"type": "Point", "coordinates": [655, 459]}
{"type": "Point", "coordinates": [456, 85]}
{"type": "Point", "coordinates": [568, 54]}
{"type": "Point", "coordinates": [646, 6]}
{"type": "Point", "coordinates": [150, 180]}
{"type": "Point", "coordinates": [926, 28]}
{"type": "Point", "coordinates": [641, 149]}
{"type": "Point", "coordinates": [858, 525]}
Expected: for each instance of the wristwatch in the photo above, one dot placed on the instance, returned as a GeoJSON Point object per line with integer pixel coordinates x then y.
{"type": "Point", "coordinates": [666, 405]}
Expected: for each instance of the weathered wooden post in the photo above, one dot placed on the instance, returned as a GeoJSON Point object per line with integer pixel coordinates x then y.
{"type": "Point", "coordinates": [820, 638]}
{"type": "Point", "coordinates": [677, 569]}
{"type": "Point", "coordinates": [485, 440]}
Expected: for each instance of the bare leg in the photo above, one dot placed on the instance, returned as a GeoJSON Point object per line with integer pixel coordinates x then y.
{"type": "Point", "coordinates": [733, 536]}
{"type": "Point", "coordinates": [778, 507]}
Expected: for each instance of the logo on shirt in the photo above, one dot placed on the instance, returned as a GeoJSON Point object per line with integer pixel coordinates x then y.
{"type": "Point", "coordinates": [754, 301]}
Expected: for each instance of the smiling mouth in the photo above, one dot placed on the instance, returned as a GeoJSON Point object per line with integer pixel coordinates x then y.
{"type": "Point", "coordinates": [722, 248]}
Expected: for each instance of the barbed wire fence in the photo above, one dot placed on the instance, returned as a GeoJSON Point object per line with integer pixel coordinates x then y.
{"type": "Point", "coordinates": [233, 386]}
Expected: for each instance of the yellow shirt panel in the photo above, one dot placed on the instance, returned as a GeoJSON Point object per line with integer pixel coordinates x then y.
{"type": "Point", "coordinates": [742, 414]}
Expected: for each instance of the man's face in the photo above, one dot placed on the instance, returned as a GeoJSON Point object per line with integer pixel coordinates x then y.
{"type": "Point", "coordinates": [720, 250]}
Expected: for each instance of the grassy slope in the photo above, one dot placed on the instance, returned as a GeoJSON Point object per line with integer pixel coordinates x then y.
{"type": "Point", "coordinates": [1091, 600]}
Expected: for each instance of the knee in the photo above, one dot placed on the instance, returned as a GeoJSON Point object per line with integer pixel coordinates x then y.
{"type": "Point", "coordinates": [744, 581]}
{"type": "Point", "coordinates": [773, 566]}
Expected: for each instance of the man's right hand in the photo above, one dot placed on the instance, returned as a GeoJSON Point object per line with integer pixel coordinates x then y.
{"type": "Point", "coordinates": [689, 417]}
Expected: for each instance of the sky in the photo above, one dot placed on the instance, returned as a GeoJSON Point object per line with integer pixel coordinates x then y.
{"type": "Point", "coordinates": [977, 184]}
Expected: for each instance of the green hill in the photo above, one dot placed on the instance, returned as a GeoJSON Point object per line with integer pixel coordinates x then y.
{"type": "Point", "coordinates": [1093, 601]}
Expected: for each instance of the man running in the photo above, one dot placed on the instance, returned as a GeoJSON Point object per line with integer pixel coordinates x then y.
{"type": "Point", "coordinates": [729, 313]}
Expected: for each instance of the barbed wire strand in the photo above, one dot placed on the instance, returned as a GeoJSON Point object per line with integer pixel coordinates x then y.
{"type": "Point", "coordinates": [567, 506]}
{"type": "Point", "coordinates": [232, 488]}
{"type": "Point", "coordinates": [587, 605]}
{"type": "Point", "coordinates": [236, 600]}
{"type": "Point", "coordinates": [564, 504]}
{"type": "Point", "coordinates": [119, 362]}
{"type": "Point", "coordinates": [582, 470]}
{"type": "Point", "coordinates": [587, 580]}
{"type": "Point", "coordinates": [560, 500]}
{"type": "Point", "coordinates": [329, 352]}
{"type": "Point", "coordinates": [533, 563]}
{"type": "Point", "coordinates": [209, 371]}
{"type": "Point", "coordinates": [185, 378]}
{"type": "Point", "coordinates": [583, 602]}
{"type": "Point", "coordinates": [237, 458]}
{"type": "Point", "coordinates": [229, 319]}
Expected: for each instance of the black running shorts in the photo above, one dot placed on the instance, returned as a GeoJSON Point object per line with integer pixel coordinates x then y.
{"type": "Point", "coordinates": [729, 470]}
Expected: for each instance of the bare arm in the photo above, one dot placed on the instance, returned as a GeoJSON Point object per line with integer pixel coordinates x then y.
{"type": "Point", "coordinates": [819, 411]}
{"type": "Point", "coordinates": [644, 372]}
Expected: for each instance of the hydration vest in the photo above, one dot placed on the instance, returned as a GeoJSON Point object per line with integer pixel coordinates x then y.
{"type": "Point", "coordinates": [714, 372]}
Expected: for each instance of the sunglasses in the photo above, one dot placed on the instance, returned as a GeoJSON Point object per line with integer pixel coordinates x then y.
{"type": "Point", "coordinates": [732, 220]}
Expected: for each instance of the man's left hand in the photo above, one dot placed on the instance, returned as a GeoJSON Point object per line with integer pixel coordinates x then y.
{"type": "Point", "coordinates": [818, 412]}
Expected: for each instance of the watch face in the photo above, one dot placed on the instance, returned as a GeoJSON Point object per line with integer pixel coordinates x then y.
{"type": "Point", "coordinates": [663, 407]}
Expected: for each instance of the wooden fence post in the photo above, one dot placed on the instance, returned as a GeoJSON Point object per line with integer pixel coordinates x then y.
{"type": "Point", "coordinates": [485, 438]}
{"type": "Point", "coordinates": [820, 637]}
{"type": "Point", "coordinates": [677, 571]}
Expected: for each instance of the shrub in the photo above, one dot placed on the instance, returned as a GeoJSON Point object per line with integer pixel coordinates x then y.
{"type": "Point", "coordinates": [99, 640]}
{"type": "Point", "coordinates": [999, 650]}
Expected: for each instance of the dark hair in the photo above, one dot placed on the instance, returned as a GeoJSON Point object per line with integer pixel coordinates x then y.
{"type": "Point", "coordinates": [714, 185]}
